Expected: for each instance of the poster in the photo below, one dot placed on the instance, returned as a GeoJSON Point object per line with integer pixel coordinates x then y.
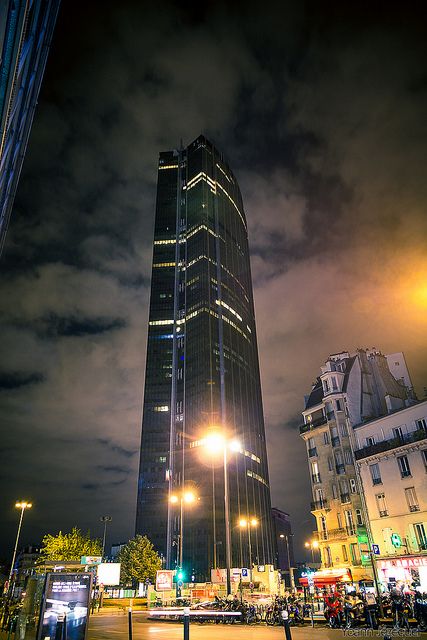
{"type": "Point", "coordinates": [65, 594]}
{"type": "Point", "coordinates": [164, 580]}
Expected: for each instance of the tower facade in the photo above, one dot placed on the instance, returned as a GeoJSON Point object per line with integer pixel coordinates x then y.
{"type": "Point", "coordinates": [202, 372]}
{"type": "Point", "coordinates": [26, 30]}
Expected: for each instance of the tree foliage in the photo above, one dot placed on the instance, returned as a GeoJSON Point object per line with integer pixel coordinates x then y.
{"type": "Point", "coordinates": [69, 546]}
{"type": "Point", "coordinates": [139, 561]}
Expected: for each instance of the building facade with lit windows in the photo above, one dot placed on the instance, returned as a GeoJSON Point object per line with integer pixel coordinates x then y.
{"type": "Point", "coordinates": [26, 28]}
{"type": "Point", "coordinates": [202, 371]}
{"type": "Point", "coordinates": [391, 457]}
{"type": "Point", "coordinates": [351, 389]}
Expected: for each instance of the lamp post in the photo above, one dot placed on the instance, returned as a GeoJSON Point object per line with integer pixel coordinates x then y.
{"type": "Point", "coordinates": [216, 443]}
{"type": "Point", "coordinates": [105, 520]}
{"type": "Point", "coordinates": [22, 504]}
{"type": "Point", "coordinates": [247, 524]}
{"type": "Point", "coordinates": [186, 497]}
{"type": "Point", "coordinates": [313, 544]}
{"type": "Point", "coordinates": [284, 536]}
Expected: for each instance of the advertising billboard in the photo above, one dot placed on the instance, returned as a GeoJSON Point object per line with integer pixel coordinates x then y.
{"type": "Point", "coordinates": [108, 573]}
{"type": "Point", "coordinates": [66, 597]}
{"type": "Point", "coordinates": [164, 580]}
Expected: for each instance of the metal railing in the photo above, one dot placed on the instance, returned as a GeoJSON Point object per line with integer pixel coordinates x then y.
{"type": "Point", "coordinates": [316, 478]}
{"type": "Point", "coordinates": [319, 504]}
{"type": "Point", "coordinates": [312, 425]}
{"type": "Point", "coordinates": [312, 452]}
{"type": "Point", "coordinates": [393, 443]}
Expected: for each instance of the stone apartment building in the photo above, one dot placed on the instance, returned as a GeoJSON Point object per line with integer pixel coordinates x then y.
{"type": "Point", "coordinates": [391, 460]}
{"type": "Point", "coordinates": [351, 389]}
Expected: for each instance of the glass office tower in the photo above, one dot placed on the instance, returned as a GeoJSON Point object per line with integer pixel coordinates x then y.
{"type": "Point", "coordinates": [202, 372]}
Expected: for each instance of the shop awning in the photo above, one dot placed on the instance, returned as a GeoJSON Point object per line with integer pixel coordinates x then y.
{"type": "Point", "coordinates": [327, 577]}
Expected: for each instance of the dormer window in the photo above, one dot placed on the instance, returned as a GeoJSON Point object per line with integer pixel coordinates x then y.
{"type": "Point", "coordinates": [326, 386]}
{"type": "Point", "coordinates": [334, 383]}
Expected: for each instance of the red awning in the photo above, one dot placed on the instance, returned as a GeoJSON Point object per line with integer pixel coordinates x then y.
{"type": "Point", "coordinates": [323, 578]}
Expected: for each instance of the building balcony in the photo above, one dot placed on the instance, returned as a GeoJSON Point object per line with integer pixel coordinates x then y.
{"type": "Point", "coordinates": [318, 505]}
{"type": "Point", "coordinates": [316, 478]}
{"type": "Point", "coordinates": [336, 534]}
{"type": "Point", "coordinates": [414, 507]}
{"type": "Point", "coordinates": [393, 443]}
{"type": "Point", "coordinates": [312, 452]}
{"type": "Point", "coordinates": [309, 426]}
{"type": "Point", "coordinates": [330, 415]}
{"type": "Point", "coordinates": [340, 469]}
{"type": "Point", "coordinates": [383, 514]}
{"type": "Point", "coordinates": [345, 497]}
{"type": "Point", "coordinates": [335, 441]}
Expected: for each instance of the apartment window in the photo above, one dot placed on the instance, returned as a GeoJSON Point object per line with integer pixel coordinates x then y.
{"type": "Point", "coordinates": [375, 473]}
{"type": "Point", "coordinates": [397, 433]}
{"type": "Point", "coordinates": [424, 457]}
{"type": "Point", "coordinates": [339, 464]}
{"type": "Point", "coordinates": [339, 405]}
{"type": "Point", "coordinates": [334, 436]}
{"type": "Point", "coordinates": [312, 451]}
{"type": "Point", "coordinates": [339, 520]}
{"type": "Point", "coordinates": [325, 437]}
{"type": "Point", "coordinates": [348, 458]}
{"type": "Point", "coordinates": [315, 472]}
{"type": "Point", "coordinates": [354, 552]}
{"type": "Point", "coordinates": [330, 464]}
{"type": "Point", "coordinates": [404, 468]}
{"type": "Point", "coordinates": [349, 522]}
{"type": "Point", "coordinates": [370, 441]}
{"type": "Point", "coordinates": [325, 386]}
{"type": "Point", "coordinates": [381, 504]}
{"type": "Point", "coordinates": [328, 557]}
{"type": "Point", "coordinates": [334, 491]}
{"type": "Point", "coordinates": [420, 533]}
{"type": "Point", "coordinates": [421, 424]}
{"type": "Point", "coordinates": [359, 519]}
{"type": "Point", "coordinates": [411, 499]}
{"type": "Point", "coordinates": [353, 488]}
{"type": "Point", "coordinates": [329, 410]}
{"type": "Point", "coordinates": [344, 553]}
{"type": "Point", "coordinates": [343, 429]}
{"type": "Point", "coordinates": [334, 383]}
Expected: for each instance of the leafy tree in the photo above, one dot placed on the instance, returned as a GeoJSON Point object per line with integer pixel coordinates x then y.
{"type": "Point", "coordinates": [139, 561]}
{"type": "Point", "coordinates": [69, 546]}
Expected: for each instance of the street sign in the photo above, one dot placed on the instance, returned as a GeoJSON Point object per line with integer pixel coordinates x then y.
{"type": "Point", "coordinates": [90, 560]}
{"type": "Point", "coordinates": [245, 573]}
{"type": "Point", "coordinates": [376, 549]}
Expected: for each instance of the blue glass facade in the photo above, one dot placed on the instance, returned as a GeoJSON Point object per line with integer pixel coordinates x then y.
{"type": "Point", "coordinates": [26, 28]}
{"type": "Point", "coordinates": [202, 369]}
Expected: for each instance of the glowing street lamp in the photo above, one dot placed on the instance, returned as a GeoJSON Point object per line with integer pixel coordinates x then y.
{"type": "Point", "coordinates": [186, 497]}
{"type": "Point", "coordinates": [247, 524]}
{"type": "Point", "coordinates": [22, 504]}
{"type": "Point", "coordinates": [313, 544]}
{"type": "Point", "coordinates": [216, 443]}
{"type": "Point", "coordinates": [105, 520]}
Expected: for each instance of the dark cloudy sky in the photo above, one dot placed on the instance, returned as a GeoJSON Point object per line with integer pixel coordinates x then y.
{"type": "Point", "coordinates": [320, 108]}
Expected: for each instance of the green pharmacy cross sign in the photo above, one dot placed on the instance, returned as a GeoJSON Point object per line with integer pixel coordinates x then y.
{"type": "Point", "coordinates": [396, 540]}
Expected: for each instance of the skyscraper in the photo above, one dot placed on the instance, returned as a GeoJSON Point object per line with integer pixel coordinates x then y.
{"type": "Point", "coordinates": [202, 371]}
{"type": "Point", "coordinates": [26, 30]}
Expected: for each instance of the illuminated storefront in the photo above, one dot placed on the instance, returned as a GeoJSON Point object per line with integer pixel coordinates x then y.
{"type": "Point", "coordinates": [403, 571]}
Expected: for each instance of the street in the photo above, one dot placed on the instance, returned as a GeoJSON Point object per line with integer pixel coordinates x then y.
{"type": "Point", "coordinates": [115, 626]}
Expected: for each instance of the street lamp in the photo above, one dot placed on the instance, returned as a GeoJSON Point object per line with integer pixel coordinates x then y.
{"type": "Point", "coordinates": [216, 442]}
{"type": "Point", "coordinates": [105, 520]}
{"type": "Point", "coordinates": [284, 536]}
{"type": "Point", "coordinates": [186, 497]}
{"type": "Point", "coordinates": [247, 524]}
{"type": "Point", "coordinates": [22, 504]}
{"type": "Point", "coordinates": [313, 544]}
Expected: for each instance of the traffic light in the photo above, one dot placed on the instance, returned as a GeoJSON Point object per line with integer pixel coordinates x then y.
{"type": "Point", "coordinates": [180, 574]}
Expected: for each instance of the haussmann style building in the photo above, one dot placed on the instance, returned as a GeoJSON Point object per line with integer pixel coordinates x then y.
{"type": "Point", "coordinates": [352, 388]}
{"type": "Point", "coordinates": [391, 458]}
{"type": "Point", "coordinates": [202, 374]}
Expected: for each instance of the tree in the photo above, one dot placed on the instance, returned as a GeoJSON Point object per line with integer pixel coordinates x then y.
{"type": "Point", "coordinates": [69, 546]}
{"type": "Point", "coordinates": [139, 561]}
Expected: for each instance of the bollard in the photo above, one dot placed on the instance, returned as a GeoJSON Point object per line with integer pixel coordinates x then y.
{"type": "Point", "coordinates": [64, 628]}
{"type": "Point", "coordinates": [130, 623]}
{"type": "Point", "coordinates": [285, 618]}
{"type": "Point", "coordinates": [186, 620]}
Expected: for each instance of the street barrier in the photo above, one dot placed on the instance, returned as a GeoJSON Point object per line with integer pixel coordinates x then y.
{"type": "Point", "coordinates": [285, 618]}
